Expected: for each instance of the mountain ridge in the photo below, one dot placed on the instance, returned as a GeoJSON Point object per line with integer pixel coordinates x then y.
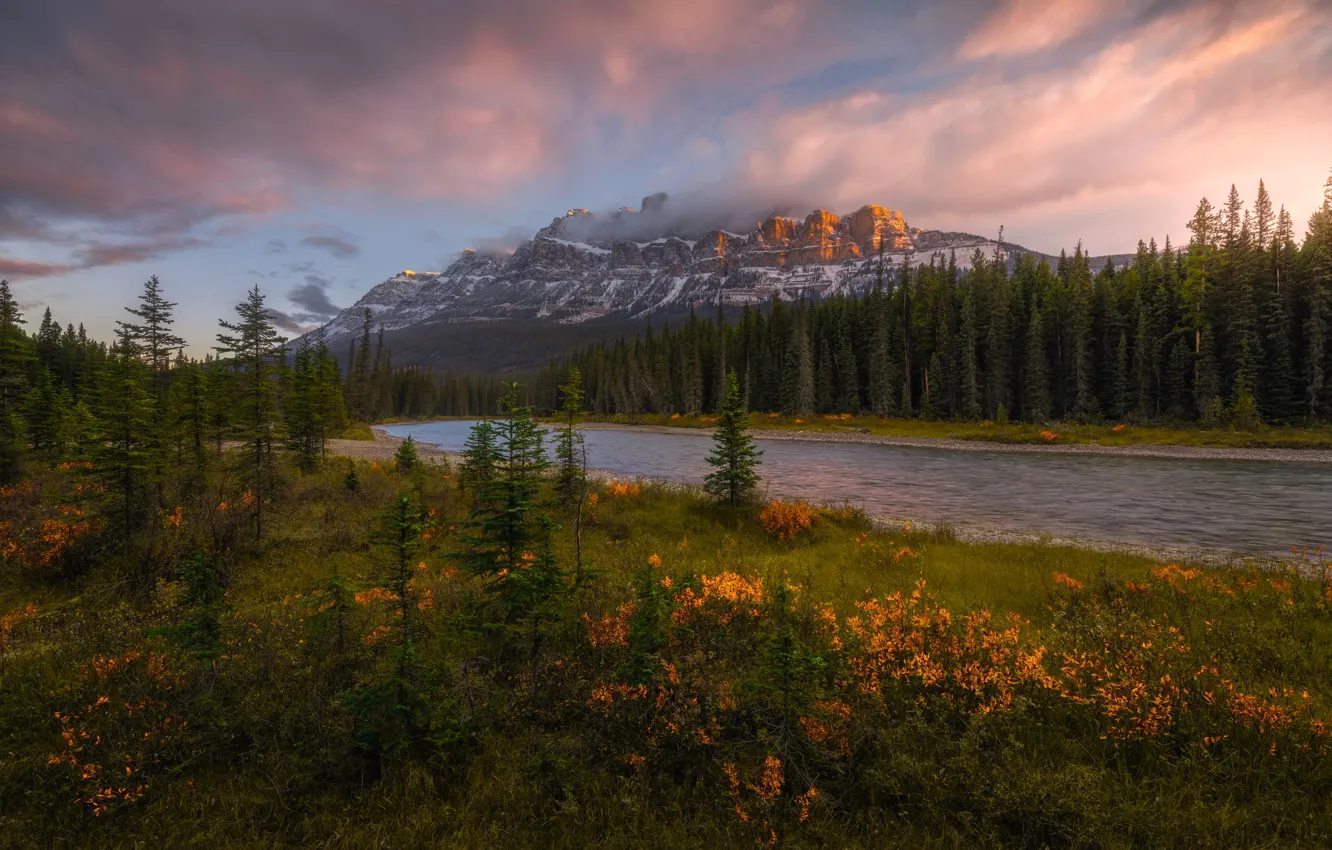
{"type": "Point", "coordinates": [630, 264]}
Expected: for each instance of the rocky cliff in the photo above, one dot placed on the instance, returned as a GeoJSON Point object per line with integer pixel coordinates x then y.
{"type": "Point", "coordinates": [633, 263]}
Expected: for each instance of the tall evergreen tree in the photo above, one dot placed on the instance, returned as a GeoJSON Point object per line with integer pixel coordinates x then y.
{"type": "Point", "coordinates": [123, 459]}
{"type": "Point", "coordinates": [569, 441]}
{"type": "Point", "coordinates": [734, 457]}
{"type": "Point", "coordinates": [257, 352]}
{"type": "Point", "coordinates": [507, 541]}
{"type": "Point", "coordinates": [13, 354]}
{"type": "Point", "coordinates": [1036, 392]}
{"type": "Point", "coordinates": [152, 334]}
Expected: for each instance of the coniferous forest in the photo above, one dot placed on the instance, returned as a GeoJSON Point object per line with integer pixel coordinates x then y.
{"type": "Point", "coordinates": [1231, 327]}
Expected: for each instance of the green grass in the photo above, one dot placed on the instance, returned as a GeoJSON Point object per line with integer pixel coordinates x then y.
{"type": "Point", "coordinates": [358, 431]}
{"type": "Point", "coordinates": [1066, 433]}
{"type": "Point", "coordinates": [263, 751]}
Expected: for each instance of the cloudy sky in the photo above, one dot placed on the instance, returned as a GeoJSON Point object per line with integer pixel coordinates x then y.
{"type": "Point", "coordinates": [318, 146]}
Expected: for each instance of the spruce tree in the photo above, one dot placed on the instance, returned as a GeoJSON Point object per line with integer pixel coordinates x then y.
{"type": "Point", "coordinates": [569, 441]}
{"type": "Point", "coordinates": [257, 351]}
{"type": "Point", "coordinates": [1119, 380]}
{"type": "Point", "coordinates": [13, 354]}
{"type": "Point", "coordinates": [970, 387]}
{"type": "Point", "coordinates": [123, 458]}
{"type": "Point", "coordinates": [507, 542]}
{"type": "Point", "coordinates": [734, 456]}
{"type": "Point", "coordinates": [1036, 392]}
{"type": "Point", "coordinates": [480, 458]}
{"type": "Point", "coordinates": [1316, 340]}
{"type": "Point", "coordinates": [152, 334]}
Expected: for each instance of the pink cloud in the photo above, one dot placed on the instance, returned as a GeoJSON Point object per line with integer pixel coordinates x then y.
{"type": "Point", "coordinates": [1026, 26]}
{"type": "Point", "coordinates": [1169, 106]}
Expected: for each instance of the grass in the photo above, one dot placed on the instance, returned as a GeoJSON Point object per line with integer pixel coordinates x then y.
{"type": "Point", "coordinates": [358, 431]}
{"type": "Point", "coordinates": [269, 741]}
{"type": "Point", "coordinates": [1064, 433]}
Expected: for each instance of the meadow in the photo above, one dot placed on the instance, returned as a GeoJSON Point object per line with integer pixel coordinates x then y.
{"type": "Point", "coordinates": [776, 675]}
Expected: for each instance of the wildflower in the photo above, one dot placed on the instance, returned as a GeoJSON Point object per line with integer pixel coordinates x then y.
{"type": "Point", "coordinates": [654, 560]}
{"type": "Point", "coordinates": [1118, 428]}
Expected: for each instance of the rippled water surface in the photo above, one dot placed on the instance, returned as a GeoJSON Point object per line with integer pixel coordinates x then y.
{"type": "Point", "coordinates": [1243, 506]}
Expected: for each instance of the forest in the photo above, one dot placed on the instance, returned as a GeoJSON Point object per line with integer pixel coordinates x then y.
{"type": "Point", "coordinates": [1231, 328]}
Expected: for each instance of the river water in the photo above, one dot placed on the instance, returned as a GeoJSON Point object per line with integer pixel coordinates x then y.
{"type": "Point", "coordinates": [1247, 507]}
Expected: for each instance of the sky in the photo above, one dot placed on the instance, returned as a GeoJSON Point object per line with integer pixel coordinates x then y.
{"type": "Point", "coordinates": [316, 147]}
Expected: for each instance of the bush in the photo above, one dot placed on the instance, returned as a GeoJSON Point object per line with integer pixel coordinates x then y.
{"type": "Point", "coordinates": [786, 521]}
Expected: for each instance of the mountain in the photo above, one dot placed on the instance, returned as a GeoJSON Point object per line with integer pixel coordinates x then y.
{"type": "Point", "coordinates": [610, 273]}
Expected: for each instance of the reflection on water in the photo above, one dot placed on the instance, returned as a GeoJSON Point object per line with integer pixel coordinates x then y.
{"type": "Point", "coordinates": [1243, 506]}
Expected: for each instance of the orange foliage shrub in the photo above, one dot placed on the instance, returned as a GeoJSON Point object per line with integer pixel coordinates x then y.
{"type": "Point", "coordinates": [610, 630]}
{"type": "Point", "coordinates": [623, 489]}
{"type": "Point", "coordinates": [786, 520]}
{"type": "Point", "coordinates": [1067, 581]}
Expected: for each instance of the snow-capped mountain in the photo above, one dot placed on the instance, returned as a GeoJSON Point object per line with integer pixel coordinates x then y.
{"type": "Point", "coordinates": [636, 263]}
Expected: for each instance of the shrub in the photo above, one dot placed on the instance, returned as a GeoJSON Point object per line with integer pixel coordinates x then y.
{"type": "Point", "coordinates": [786, 520]}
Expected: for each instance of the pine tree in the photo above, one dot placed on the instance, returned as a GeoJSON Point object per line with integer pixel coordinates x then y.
{"type": "Point", "coordinates": [508, 538]}
{"type": "Point", "coordinates": [257, 352]}
{"type": "Point", "coordinates": [1036, 392]}
{"type": "Point", "coordinates": [190, 403]}
{"type": "Point", "coordinates": [301, 408]}
{"type": "Point", "coordinates": [1119, 381]}
{"type": "Point", "coordinates": [569, 442]}
{"type": "Point", "coordinates": [882, 374]}
{"type": "Point", "coordinates": [330, 409]}
{"type": "Point", "coordinates": [44, 411]}
{"type": "Point", "coordinates": [798, 382]}
{"type": "Point", "coordinates": [1207, 378]}
{"type": "Point", "coordinates": [123, 458]}
{"type": "Point", "coordinates": [971, 398]}
{"type": "Point", "coordinates": [734, 456]}
{"type": "Point", "coordinates": [480, 458]}
{"type": "Point", "coordinates": [13, 355]}
{"type": "Point", "coordinates": [153, 335]}
{"type": "Point", "coordinates": [1315, 338]}
{"type": "Point", "coordinates": [13, 444]}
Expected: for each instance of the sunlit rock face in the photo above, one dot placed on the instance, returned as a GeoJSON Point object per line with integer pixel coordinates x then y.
{"type": "Point", "coordinates": [657, 260]}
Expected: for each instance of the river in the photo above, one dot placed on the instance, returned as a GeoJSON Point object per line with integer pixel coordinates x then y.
{"type": "Point", "coordinates": [1246, 507]}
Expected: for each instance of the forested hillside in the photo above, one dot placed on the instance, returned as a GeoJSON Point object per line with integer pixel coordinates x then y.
{"type": "Point", "coordinates": [1232, 327]}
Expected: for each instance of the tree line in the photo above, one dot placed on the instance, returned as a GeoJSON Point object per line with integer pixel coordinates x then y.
{"type": "Point", "coordinates": [151, 423]}
{"type": "Point", "coordinates": [1230, 328]}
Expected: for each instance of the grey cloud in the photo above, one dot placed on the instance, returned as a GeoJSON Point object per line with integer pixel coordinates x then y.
{"type": "Point", "coordinates": [287, 322]}
{"type": "Point", "coordinates": [275, 246]}
{"type": "Point", "coordinates": [312, 299]}
{"type": "Point", "coordinates": [342, 249]}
